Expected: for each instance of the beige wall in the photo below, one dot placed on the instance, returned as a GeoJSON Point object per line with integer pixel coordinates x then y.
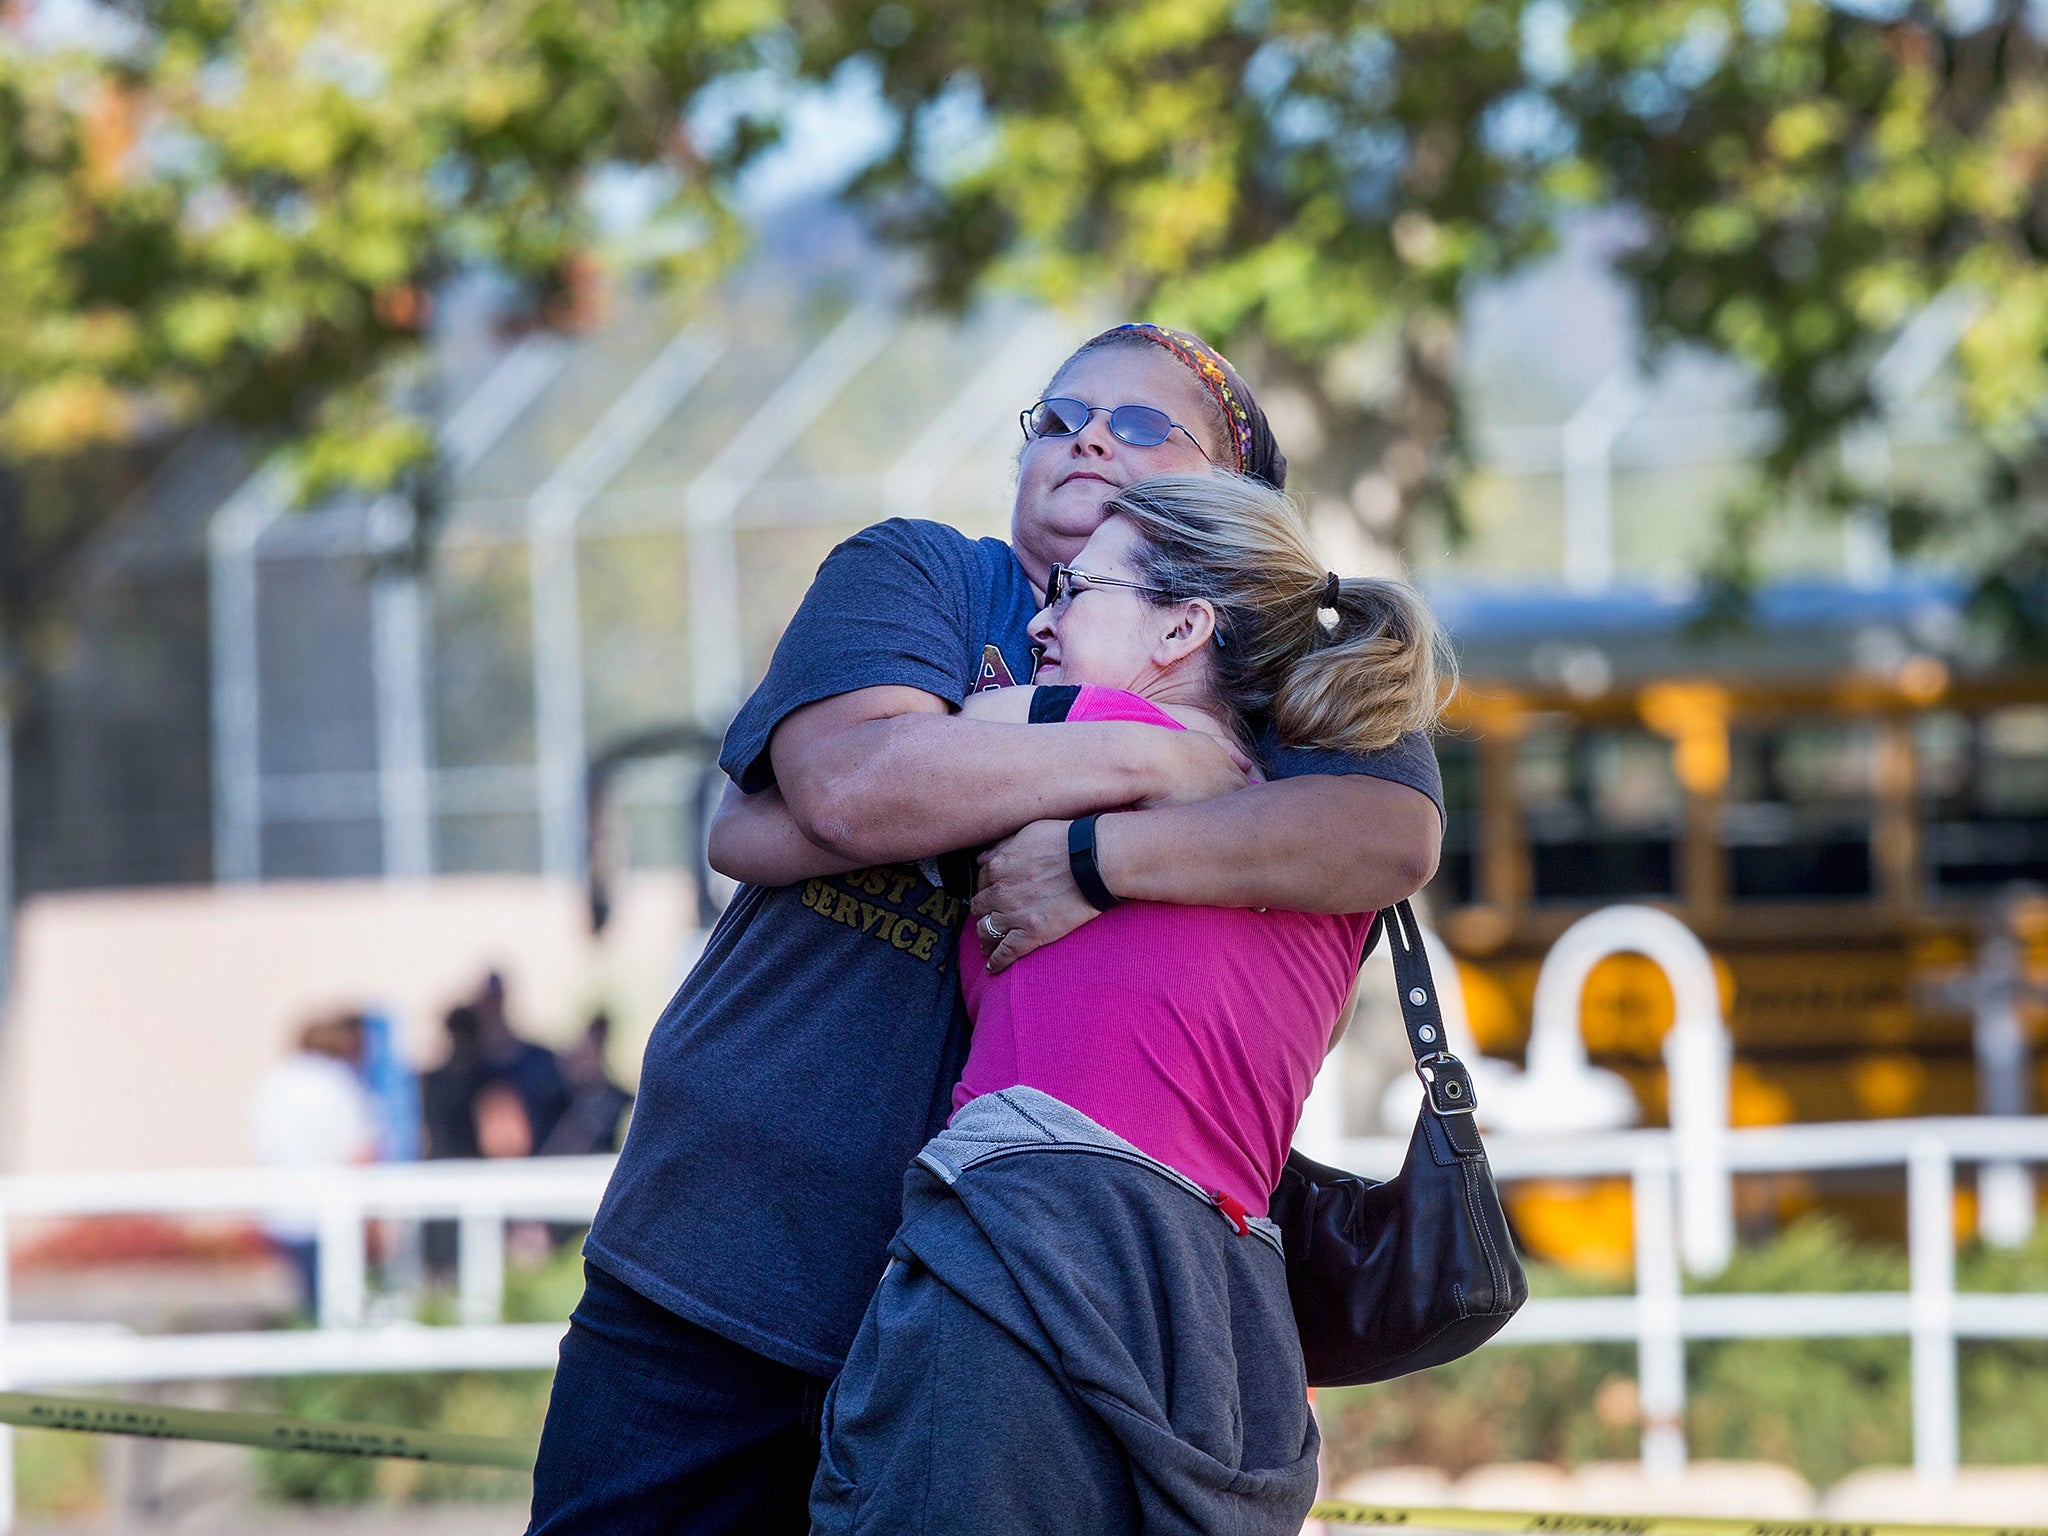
{"type": "Point", "coordinates": [143, 1020]}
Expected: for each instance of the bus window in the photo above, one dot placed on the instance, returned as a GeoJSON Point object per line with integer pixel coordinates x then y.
{"type": "Point", "coordinates": [1601, 810]}
{"type": "Point", "coordinates": [1984, 788]}
{"type": "Point", "coordinates": [1457, 873]}
{"type": "Point", "coordinates": [1801, 803]}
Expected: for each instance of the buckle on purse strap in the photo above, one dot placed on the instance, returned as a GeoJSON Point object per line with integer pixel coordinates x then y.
{"type": "Point", "coordinates": [1447, 1083]}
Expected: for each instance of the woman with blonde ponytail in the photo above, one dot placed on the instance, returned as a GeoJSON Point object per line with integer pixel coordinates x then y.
{"type": "Point", "coordinates": [1348, 665]}
{"type": "Point", "coordinates": [1086, 1324]}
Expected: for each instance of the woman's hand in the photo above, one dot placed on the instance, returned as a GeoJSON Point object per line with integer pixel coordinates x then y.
{"type": "Point", "coordinates": [1027, 894]}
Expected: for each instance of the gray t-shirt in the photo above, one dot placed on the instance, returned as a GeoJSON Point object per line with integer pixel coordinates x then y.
{"type": "Point", "coordinates": [814, 1047]}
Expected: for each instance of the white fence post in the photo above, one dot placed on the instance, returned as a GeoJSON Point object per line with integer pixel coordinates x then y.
{"type": "Point", "coordinates": [341, 1262]}
{"type": "Point", "coordinates": [1998, 986]}
{"type": "Point", "coordinates": [480, 1265]}
{"type": "Point", "coordinates": [398, 673]}
{"type": "Point", "coordinates": [2005, 1203]}
{"type": "Point", "coordinates": [6, 1380]}
{"type": "Point", "coordinates": [712, 501]}
{"type": "Point", "coordinates": [553, 513]}
{"type": "Point", "coordinates": [1660, 1345]}
{"type": "Point", "coordinates": [232, 606]}
{"type": "Point", "coordinates": [1586, 445]}
{"type": "Point", "coordinates": [1930, 1241]}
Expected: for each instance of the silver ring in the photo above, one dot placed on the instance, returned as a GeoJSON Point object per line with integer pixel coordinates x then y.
{"type": "Point", "coordinates": [989, 930]}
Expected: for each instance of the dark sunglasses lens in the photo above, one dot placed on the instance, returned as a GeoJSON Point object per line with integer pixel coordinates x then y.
{"type": "Point", "coordinates": [1140, 425]}
{"type": "Point", "coordinates": [1058, 417]}
{"type": "Point", "coordinates": [1056, 586]}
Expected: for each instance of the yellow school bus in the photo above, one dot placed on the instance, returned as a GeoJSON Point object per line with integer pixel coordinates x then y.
{"type": "Point", "coordinates": [1838, 797]}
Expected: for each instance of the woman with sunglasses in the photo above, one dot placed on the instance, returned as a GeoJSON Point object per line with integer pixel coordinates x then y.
{"type": "Point", "coordinates": [812, 1049]}
{"type": "Point", "coordinates": [1086, 1325]}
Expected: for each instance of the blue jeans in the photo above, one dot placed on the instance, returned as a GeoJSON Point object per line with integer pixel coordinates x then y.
{"type": "Point", "coordinates": [656, 1425]}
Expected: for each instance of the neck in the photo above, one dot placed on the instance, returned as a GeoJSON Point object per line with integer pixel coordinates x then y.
{"type": "Point", "coordinates": [1184, 693]}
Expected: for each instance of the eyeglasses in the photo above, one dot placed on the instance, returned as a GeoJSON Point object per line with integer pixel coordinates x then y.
{"type": "Point", "coordinates": [1065, 581]}
{"type": "Point", "coordinates": [1142, 426]}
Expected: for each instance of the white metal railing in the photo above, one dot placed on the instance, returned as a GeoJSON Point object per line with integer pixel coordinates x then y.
{"type": "Point", "coordinates": [479, 1196]}
{"type": "Point", "coordinates": [1658, 1317]}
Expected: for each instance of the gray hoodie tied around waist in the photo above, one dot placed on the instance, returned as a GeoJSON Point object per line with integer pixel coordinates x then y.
{"type": "Point", "coordinates": [1070, 1338]}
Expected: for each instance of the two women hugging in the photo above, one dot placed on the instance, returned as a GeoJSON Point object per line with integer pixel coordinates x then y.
{"type": "Point", "coordinates": [1087, 1308]}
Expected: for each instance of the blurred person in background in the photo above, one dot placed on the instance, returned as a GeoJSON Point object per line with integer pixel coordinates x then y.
{"type": "Point", "coordinates": [448, 1092]}
{"type": "Point", "coordinates": [597, 1109]}
{"type": "Point", "coordinates": [596, 1118]}
{"type": "Point", "coordinates": [448, 1118]}
{"type": "Point", "coordinates": [394, 1089]}
{"type": "Point", "coordinates": [503, 1128]}
{"type": "Point", "coordinates": [311, 1110]}
{"type": "Point", "coordinates": [530, 1070]}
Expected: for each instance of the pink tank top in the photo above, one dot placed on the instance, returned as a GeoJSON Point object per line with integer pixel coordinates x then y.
{"type": "Point", "coordinates": [1192, 1032]}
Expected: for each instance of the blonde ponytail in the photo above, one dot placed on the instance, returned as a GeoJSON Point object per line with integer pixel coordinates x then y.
{"type": "Point", "coordinates": [1357, 684]}
{"type": "Point", "coordinates": [1383, 671]}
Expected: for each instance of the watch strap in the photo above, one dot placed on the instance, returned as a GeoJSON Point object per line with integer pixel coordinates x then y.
{"type": "Point", "coordinates": [1081, 860]}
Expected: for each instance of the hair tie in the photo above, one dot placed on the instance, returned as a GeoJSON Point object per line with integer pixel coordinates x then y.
{"type": "Point", "coordinates": [1330, 592]}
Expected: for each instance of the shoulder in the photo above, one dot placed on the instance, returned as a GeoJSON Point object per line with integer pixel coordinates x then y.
{"type": "Point", "coordinates": [917, 538]}
{"type": "Point", "coordinates": [997, 559]}
{"type": "Point", "coordinates": [1002, 706]}
{"type": "Point", "coordinates": [895, 605]}
{"type": "Point", "coordinates": [1051, 703]}
{"type": "Point", "coordinates": [1002, 578]}
{"type": "Point", "coordinates": [910, 551]}
{"type": "Point", "coordinates": [1094, 702]}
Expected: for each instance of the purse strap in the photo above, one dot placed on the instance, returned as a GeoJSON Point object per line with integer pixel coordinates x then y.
{"type": "Point", "coordinates": [1445, 1081]}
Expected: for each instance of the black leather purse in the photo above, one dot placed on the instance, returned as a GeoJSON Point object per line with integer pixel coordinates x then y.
{"type": "Point", "coordinates": [1391, 1278]}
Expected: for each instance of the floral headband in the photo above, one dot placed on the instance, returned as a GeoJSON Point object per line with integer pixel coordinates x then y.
{"type": "Point", "coordinates": [1253, 450]}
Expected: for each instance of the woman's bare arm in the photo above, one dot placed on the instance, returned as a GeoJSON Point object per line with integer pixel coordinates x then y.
{"type": "Point", "coordinates": [1315, 843]}
{"type": "Point", "coordinates": [755, 838]}
{"type": "Point", "coordinates": [885, 774]}
{"type": "Point", "coordinates": [1000, 706]}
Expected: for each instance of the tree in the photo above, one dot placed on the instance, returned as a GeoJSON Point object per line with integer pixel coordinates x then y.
{"type": "Point", "coordinates": [1808, 181]}
{"type": "Point", "coordinates": [1308, 181]}
{"type": "Point", "coordinates": [223, 210]}
{"type": "Point", "coordinates": [244, 209]}
{"type": "Point", "coordinates": [1302, 180]}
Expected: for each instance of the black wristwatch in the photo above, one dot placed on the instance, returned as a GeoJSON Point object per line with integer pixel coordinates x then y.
{"type": "Point", "coordinates": [1081, 860]}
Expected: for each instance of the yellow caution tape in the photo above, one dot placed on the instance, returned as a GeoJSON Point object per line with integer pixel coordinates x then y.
{"type": "Point", "coordinates": [280, 1432]}
{"type": "Point", "coordinates": [271, 1431]}
{"type": "Point", "coordinates": [1415, 1516]}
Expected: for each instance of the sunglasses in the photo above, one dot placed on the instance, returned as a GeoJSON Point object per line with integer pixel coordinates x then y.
{"type": "Point", "coordinates": [1142, 426]}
